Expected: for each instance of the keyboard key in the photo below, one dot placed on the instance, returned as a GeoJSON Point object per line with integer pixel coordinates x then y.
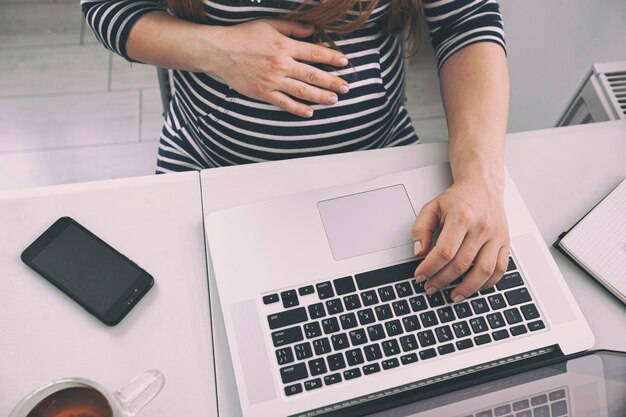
{"type": "Point", "coordinates": [309, 289]}
{"type": "Point", "coordinates": [371, 368]}
{"type": "Point", "coordinates": [408, 343]}
{"type": "Point", "coordinates": [386, 293]}
{"type": "Point", "coordinates": [284, 356]}
{"type": "Point", "coordinates": [428, 354]}
{"type": "Point", "coordinates": [387, 275]}
{"type": "Point", "coordinates": [336, 361]}
{"type": "Point", "coordinates": [463, 310]}
{"type": "Point", "coordinates": [344, 285]}
{"type": "Point", "coordinates": [316, 311]}
{"type": "Point", "coordinates": [287, 318]}
{"type": "Point", "coordinates": [293, 373]}
{"type": "Point", "coordinates": [495, 320]}
{"type": "Point", "coordinates": [369, 298]}
{"type": "Point", "coordinates": [486, 413]}
{"type": "Point", "coordinates": [287, 336]}
{"type": "Point", "coordinates": [461, 329]}
{"type": "Point", "coordinates": [511, 266]}
{"type": "Point", "coordinates": [536, 325]}
{"type": "Point", "coordinates": [376, 332]}
{"type": "Point", "coordinates": [354, 357]}
{"type": "Point", "coordinates": [324, 290]}
{"type": "Point", "coordinates": [411, 323]}
{"type": "Point", "coordinates": [444, 334]}
{"type": "Point", "coordinates": [496, 301]}
{"type": "Point", "coordinates": [373, 352]}
{"type": "Point", "coordinates": [519, 329]}
{"type": "Point", "coordinates": [332, 379]}
{"type": "Point", "coordinates": [303, 351]}
{"type": "Point", "coordinates": [330, 325]}
{"type": "Point", "coordinates": [500, 334]}
{"type": "Point", "coordinates": [428, 319]}
{"type": "Point", "coordinates": [418, 287]}
{"type": "Point", "coordinates": [312, 330]}
{"type": "Point", "coordinates": [404, 289]}
{"type": "Point", "coordinates": [321, 346]}
{"type": "Point", "coordinates": [290, 298]}
{"type": "Point", "coordinates": [317, 367]}
{"type": "Point", "coordinates": [529, 311]}
{"type": "Point", "coordinates": [358, 337]}
{"type": "Point", "coordinates": [482, 339]}
{"type": "Point", "coordinates": [502, 410]}
{"type": "Point", "coordinates": [509, 281]}
{"type": "Point", "coordinates": [408, 359]}
{"type": "Point", "coordinates": [445, 349]}
{"type": "Point", "coordinates": [349, 374]}
{"type": "Point", "coordinates": [383, 312]}
{"type": "Point", "coordinates": [426, 338]}
{"type": "Point", "coordinates": [400, 308]}
{"type": "Point", "coordinates": [539, 400]}
{"type": "Point", "coordinates": [293, 389]}
{"type": "Point", "coordinates": [480, 306]}
{"type": "Point", "coordinates": [512, 315]}
{"type": "Point", "coordinates": [393, 328]}
{"type": "Point", "coordinates": [447, 295]}
{"type": "Point", "coordinates": [390, 363]}
{"type": "Point", "coordinates": [478, 324]}
{"type": "Point", "coordinates": [436, 300]}
{"type": "Point", "coordinates": [352, 302]}
{"type": "Point", "coordinates": [446, 314]}
{"type": "Point", "coordinates": [340, 341]}
{"type": "Point", "coordinates": [313, 384]}
{"type": "Point", "coordinates": [418, 303]}
{"type": "Point", "coordinates": [559, 408]}
{"type": "Point", "coordinates": [366, 316]}
{"type": "Point", "coordinates": [270, 299]}
{"type": "Point", "coordinates": [486, 291]}
{"type": "Point", "coordinates": [543, 411]}
{"type": "Point", "coordinates": [518, 296]}
{"type": "Point", "coordinates": [348, 321]}
{"type": "Point", "coordinates": [391, 347]}
{"type": "Point", "coordinates": [557, 395]}
{"type": "Point", "coordinates": [521, 405]}
{"type": "Point", "coordinates": [464, 344]}
{"type": "Point", "coordinates": [334, 306]}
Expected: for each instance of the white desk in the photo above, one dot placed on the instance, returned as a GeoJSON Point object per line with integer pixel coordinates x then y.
{"type": "Point", "coordinates": [157, 222]}
{"type": "Point", "coordinates": [561, 173]}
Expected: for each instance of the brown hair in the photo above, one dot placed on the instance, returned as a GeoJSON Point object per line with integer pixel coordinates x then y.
{"type": "Point", "coordinates": [404, 17]}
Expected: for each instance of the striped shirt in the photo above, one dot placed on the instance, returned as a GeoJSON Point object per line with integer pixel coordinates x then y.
{"type": "Point", "coordinates": [209, 124]}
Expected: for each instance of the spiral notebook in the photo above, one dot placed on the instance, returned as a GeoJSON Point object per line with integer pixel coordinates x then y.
{"type": "Point", "coordinates": [597, 243]}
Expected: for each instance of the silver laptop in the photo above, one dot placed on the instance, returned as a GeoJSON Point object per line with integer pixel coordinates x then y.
{"type": "Point", "coordinates": [323, 316]}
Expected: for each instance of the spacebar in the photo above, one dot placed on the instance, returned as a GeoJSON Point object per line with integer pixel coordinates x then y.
{"type": "Point", "coordinates": [386, 275]}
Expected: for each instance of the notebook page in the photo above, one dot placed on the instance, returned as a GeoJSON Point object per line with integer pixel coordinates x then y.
{"type": "Point", "coordinates": [599, 240]}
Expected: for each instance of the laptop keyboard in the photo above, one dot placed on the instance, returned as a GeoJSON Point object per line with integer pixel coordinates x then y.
{"type": "Point", "coordinates": [554, 403]}
{"type": "Point", "coordinates": [352, 327]}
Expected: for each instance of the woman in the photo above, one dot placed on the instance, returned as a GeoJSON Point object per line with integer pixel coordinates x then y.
{"type": "Point", "coordinates": [253, 82]}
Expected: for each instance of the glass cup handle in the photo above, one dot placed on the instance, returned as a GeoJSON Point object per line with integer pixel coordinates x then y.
{"type": "Point", "coordinates": [139, 392]}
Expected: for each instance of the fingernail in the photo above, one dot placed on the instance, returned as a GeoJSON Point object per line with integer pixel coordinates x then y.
{"type": "Point", "coordinates": [332, 99]}
{"type": "Point", "coordinates": [431, 291]}
{"type": "Point", "coordinates": [421, 278]}
{"type": "Point", "coordinates": [343, 89]}
{"type": "Point", "coordinates": [308, 113]}
{"type": "Point", "coordinates": [459, 299]}
{"type": "Point", "coordinates": [343, 61]}
{"type": "Point", "coordinates": [417, 247]}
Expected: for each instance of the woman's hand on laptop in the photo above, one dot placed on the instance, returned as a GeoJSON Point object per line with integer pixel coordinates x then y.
{"type": "Point", "coordinates": [474, 236]}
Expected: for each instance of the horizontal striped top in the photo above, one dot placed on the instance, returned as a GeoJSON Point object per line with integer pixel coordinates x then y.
{"type": "Point", "coordinates": [209, 124]}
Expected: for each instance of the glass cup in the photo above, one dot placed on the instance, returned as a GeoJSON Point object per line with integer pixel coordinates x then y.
{"type": "Point", "coordinates": [125, 402]}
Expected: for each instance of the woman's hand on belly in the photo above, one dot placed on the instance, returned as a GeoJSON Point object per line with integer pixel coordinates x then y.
{"type": "Point", "coordinates": [259, 59]}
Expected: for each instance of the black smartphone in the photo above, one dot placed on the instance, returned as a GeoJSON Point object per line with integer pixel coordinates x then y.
{"type": "Point", "coordinates": [103, 281]}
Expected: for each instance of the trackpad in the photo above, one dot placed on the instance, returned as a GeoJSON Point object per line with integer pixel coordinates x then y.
{"type": "Point", "coordinates": [367, 222]}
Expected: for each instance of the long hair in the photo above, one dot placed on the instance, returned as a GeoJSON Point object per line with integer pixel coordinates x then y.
{"type": "Point", "coordinates": [329, 15]}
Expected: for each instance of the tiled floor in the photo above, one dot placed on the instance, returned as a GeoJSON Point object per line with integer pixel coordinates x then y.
{"type": "Point", "coordinates": [71, 111]}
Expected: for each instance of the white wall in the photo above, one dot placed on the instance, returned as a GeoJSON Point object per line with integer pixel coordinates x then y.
{"type": "Point", "coordinates": [551, 46]}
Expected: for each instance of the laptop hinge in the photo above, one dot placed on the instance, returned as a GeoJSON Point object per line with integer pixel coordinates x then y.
{"type": "Point", "coordinates": [441, 384]}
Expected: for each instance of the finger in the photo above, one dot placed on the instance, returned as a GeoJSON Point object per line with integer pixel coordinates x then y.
{"type": "Point", "coordinates": [309, 52]}
{"type": "Point", "coordinates": [288, 104]}
{"type": "Point", "coordinates": [315, 76]}
{"type": "Point", "coordinates": [292, 29]}
{"type": "Point", "coordinates": [503, 261]}
{"type": "Point", "coordinates": [484, 267]}
{"type": "Point", "coordinates": [448, 244]}
{"type": "Point", "coordinates": [425, 225]}
{"type": "Point", "coordinates": [307, 92]}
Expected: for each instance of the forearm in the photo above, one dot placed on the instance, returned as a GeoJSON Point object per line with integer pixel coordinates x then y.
{"type": "Point", "coordinates": [475, 93]}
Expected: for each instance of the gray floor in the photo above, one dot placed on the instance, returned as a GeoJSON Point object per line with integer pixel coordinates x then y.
{"type": "Point", "coordinates": [71, 111]}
